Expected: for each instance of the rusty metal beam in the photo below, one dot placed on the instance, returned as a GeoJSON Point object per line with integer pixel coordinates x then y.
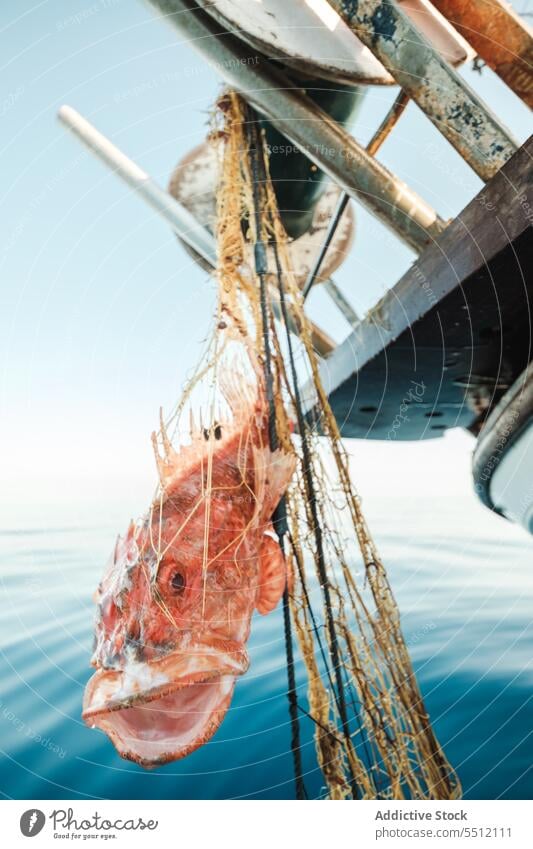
{"type": "Point", "coordinates": [475, 278]}
{"type": "Point", "coordinates": [455, 109]}
{"type": "Point", "coordinates": [295, 115]}
{"type": "Point", "coordinates": [499, 36]}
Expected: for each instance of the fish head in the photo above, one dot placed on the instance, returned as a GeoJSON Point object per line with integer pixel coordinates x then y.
{"type": "Point", "coordinates": [175, 606]}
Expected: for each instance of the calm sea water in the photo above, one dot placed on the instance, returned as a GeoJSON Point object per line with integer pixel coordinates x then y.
{"type": "Point", "coordinates": [463, 582]}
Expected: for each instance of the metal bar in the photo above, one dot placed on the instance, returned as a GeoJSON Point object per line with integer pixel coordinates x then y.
{"type": "Point", "coordinates": [326, 144]}
{"type": "Point", "coordinates": [338, 212]}
{"type": "Point", "coordinates": [499, 36]}
{"type": "Point", "coordinates": [343, 304]}
{"type": "Point", "coordinates": [390, 120]}
{"type": "Point", "coordinates": [180, 219]}
{"type": "Point", "coordinates": [454, 108]}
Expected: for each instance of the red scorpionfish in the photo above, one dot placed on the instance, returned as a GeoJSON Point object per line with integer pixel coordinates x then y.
{"type": "Point", "coordinates": [176, 601]}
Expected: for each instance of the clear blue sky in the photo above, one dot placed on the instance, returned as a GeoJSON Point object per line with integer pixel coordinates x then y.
{"type": "Point", "coordinates": [102, 312]}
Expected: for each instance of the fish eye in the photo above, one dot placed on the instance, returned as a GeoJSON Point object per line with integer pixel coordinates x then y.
{"type": "Point", "coordinates": [215, 430]}
{"type": "Point", "coordinates": [177, 582]}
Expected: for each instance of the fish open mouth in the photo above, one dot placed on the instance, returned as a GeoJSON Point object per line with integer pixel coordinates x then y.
{"type": "Point", "coordinates": [162, 711]}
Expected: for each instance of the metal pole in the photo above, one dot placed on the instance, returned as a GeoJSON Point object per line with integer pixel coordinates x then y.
{"type": "Point", "coordinates": [457, 112]}
{"type": "Point", "coordinates": [338, 212]}
{"type": "Point", "coordinates": [326, 144]}
{"type": "Point", "coordinates": [341, 302]}
{"type": "Point", "coordinates": [180, 219]}
{"type": "Point", "coordinates": [499, 36]}
{"type": "Point", "coordinates": [390, 120]}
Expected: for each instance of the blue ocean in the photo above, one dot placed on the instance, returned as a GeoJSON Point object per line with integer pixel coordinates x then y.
{"type": "Point", "coordinates": [462, 579]}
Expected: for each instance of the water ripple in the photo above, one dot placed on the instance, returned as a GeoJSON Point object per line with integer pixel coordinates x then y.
{"type": "Point", "coordinates": [465, 596]}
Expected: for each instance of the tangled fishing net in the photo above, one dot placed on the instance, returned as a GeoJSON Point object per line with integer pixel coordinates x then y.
{"type": "Point", "coordinates": [373, 736]}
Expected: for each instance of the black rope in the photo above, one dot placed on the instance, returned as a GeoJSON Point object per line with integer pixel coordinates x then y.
{"type": "Point", "coordinates": [279, 518]}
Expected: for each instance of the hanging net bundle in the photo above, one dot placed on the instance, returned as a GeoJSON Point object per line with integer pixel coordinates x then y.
{"type": "Point", "coordinates": [372, 732]}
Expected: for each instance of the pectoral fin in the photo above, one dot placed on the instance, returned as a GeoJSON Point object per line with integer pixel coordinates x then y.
{"type": "Point", "coordinates": [272, 574]}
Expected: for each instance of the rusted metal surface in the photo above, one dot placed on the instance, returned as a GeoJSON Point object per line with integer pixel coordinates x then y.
{"type": "Point", "coordinates": [457, 112]}
{"type": "Point", "coordinates": [389, 121]}
{"type": "Point", "coordinates": [326, 144]}
{"type": "Point", "coordinates": [499, 36]}
{"type": "Point", "coordinates": [193, 184]}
